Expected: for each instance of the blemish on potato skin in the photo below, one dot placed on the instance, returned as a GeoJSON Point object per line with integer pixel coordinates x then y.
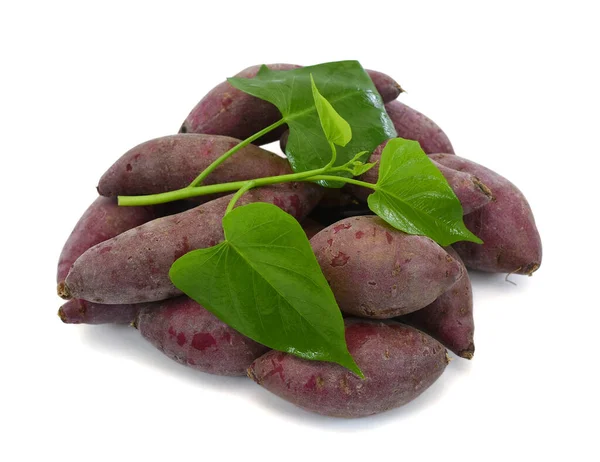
{"type": "Point", "coordinates": [105, 249]}
{"type": "Point", "coordinates": [315, 383]}
{"type": "Point", "coordinates": [202, 340]}
{"type": "Point", "coordinates": [338, 228]}
{"type": "Point", "coordinates": [344, 386]}
{"type": "Point", "coordinates": [340, 259]}
{"type": "Point", "coordinates": [367, 310]}
{"type": "Point", "coordinates": [330, 242]}
{"type": "Point", "coordinates": [389, 237]}
{"type": "Point", "coordinates": [359, 234]}
{"type": "Point", "coordinates": [277, 369]}
{"type": "Point", "coordinates": [311, 384]}
{"type": "Point", "coordinates": [179, 336]}
{"type": "Point", "coordinates": [226, 101]}
{"type": "Point", "coordinates": [279, 202]}
{"type": "Point", "coordinates": [296, 204]}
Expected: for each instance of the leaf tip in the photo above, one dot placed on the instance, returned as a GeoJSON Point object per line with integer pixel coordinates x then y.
{"type": "Point", "coordinates": [349, 363]}
{"type": "Point", "coordinates": [468, 235]}
{"type": "Point", "coordinates": [358, 372]}
{"type": "Point", "coordinates": [475, 239]}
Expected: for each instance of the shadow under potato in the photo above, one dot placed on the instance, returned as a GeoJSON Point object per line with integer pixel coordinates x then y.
{"type": "Point", "coordinates": [126, 341]}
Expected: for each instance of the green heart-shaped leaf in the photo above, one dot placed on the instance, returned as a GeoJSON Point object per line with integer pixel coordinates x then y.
{"type": "Point", "coordinates": [348, 89]}
{"type": "Point", "coordinates": [413, 196]}
{"type": "Point", "coordinates": [265, 282]}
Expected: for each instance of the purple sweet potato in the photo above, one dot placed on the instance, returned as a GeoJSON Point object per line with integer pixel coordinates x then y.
{"type": "Point", "coordinates": [225, 110]}
{"type": "Point", "coordinates": [191, 335]}
{"type": "Point", "coordinates": [387, 87]}
{"type": "Point", "coordinates": [77, 311]}
{"type": "Point", "coordinates": [398, 363]}
{"type": "Point", "coordinates": [172, 162]}
{"type": "Point", "coordinates": [413, 125]}
{"type": "Point", "coordinates": [449, 319]}
{"type": "Point", "coordinates": [511, 242]}
{"type": "Point", "coordinates": [471, 192]}
{"type": "Point", "coordinates": [376, 271]}
{"type": "Point", "coordinates": [133, 267]}
{"type": "Point", "coordinates": [103, 220]}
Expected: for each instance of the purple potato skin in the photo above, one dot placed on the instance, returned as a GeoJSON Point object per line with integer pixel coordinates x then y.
{"type": "Point", "coordinates": [173, 162]}
{"type": "Point", "coordinates": [191, 335]}
{"type": "Point", "coordinates": [225, 110]}
{"type": "Point", "coordinates": [469, 190]}
{"type": "Point", "coordinates": [133, 267]}
{"type": "Point", "coordinates": [376, 271]}
{"type": "Point", "coordinates": [78, 311]}
{"type": "Point", "coordinates": [511, 241]}
{"type": "Point", "coordinates": [413, 125]}
{"type": "Point", "coordinates": [102, 220]}
{"type": "Point", "coordinates": [398, 363]}
{"type": "Point", "coordinates": [449, 319]}
{"type": "Point", "coordinates": [387, 87]}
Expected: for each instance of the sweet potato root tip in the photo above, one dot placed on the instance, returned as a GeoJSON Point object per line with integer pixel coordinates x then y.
{"type": "Point", "coordinates": [468, 352]}
{"type": "Point", "coordinates": [61, 315]}
{"type": "Point", "coordinates": [250, 374]}
{"type": "Point", "coordinates": [63, 291]}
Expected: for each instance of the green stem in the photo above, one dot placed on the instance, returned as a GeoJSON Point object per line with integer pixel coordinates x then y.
{"type": "Point", "coordinates": [188, 192]}
{"type": "Point", "coordinates": [194, 191]}
{"type": "Point", "coordinates": [208, 170]}
{"type": "Point", "coordinates": [333, 155]}
{"type": "Point", "coordinates": [345, 180]}
{"type": "Point", "coordinates": [249, 185]}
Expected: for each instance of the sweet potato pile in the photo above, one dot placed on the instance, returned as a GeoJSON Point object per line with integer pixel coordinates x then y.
{"type": "Point", "coordinates": [405, 299]}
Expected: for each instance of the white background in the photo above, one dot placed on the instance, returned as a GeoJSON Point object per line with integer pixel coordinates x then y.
{"type": "Point", "coordinates": [515, 85]}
